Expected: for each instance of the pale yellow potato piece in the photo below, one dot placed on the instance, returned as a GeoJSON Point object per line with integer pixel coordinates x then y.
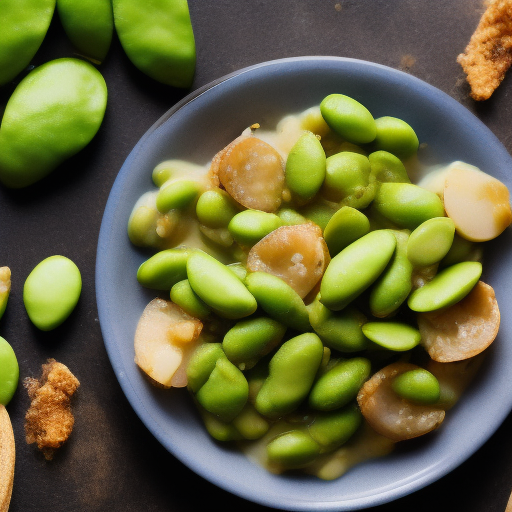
{"type": "Point", "coordinates": [392, 416]}
{"type": "Point", "coordinates": [477, 203]}
{"type": "Point", "coordinates": [297, 254]}
{"type": "Point", "coordinates": [165, 338]}
{"type": "Point", "coordinates": [462, 330]}
{"type": "Point", "coordinates": [252, 172]}
{"type": "Point", "coordinates": [7, 459]}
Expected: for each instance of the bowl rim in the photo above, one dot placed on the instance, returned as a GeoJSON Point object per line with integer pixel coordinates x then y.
{"type": "Point", "coordinates": [386, 495]}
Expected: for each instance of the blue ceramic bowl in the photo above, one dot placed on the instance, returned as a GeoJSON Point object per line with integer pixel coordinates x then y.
{"type": "Point", "coordinates": [194, 130]}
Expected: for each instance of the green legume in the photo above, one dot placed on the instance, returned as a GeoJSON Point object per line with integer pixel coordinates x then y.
{"type": "Point", "coordinates": [292, 371]}
{"type": "Point", "coordinates": [396, 136]}
{"type": "Point", "coordinates": [51, 292]}
{"type": "Point", "coordinates": [387, 168]}
{"type": "Point", "coordinates": [5, 288]}
{"type": "Point", "coordinates": [218, 429]}
{"type": "Point", "coordinates": [164, 269]}
{"type": "Point", "coordinates": [318, 211]}
{"type": "Point", "coordinates": [250, 226]}
{"type": "Point", "coordinates": [54, 112]}
{"type": "Point", "coordinates": [23, 26]}
{"type": "Point", "coordinates": [348, 118]}
{"type": "Point", "coordinates": [407, 205]}
{"type": "Point", "coordinates": [250, 339]}
{"type": "Point", "coordinates": [220, 288]}
{"type": "Point", "coordinates": [158, 39]}
{"type": "Point", "coordinates": [250, 423]}
{"type": "Point", "coordinates": [395, 336]}
{"type": "Point", "coordinates": [279, 300]}
{"type": "Point", "coordinates": [305, 167]}
{"type": "Point", "coordinates": [225, 392]}
{"type": "Point", "coordinates": [344, 227]}
{"type": "Point", "coordinates": [418, 386]}
{"type": "Point", "coordinates": [447, 288]}
{"type": "Point", "coordinates": [183, 295]}
{"type": "Point", "coordinates": [215, 208]}
{"type": "Point", "coordinates": [9, 372]}
{"type": "Point", "coordinates": [178, 194]}
{"type": "Point", "coordinates": [290, 217]}
{"type": "Point", "coordinates": [89, 26]}
{"type": "Point", "coordinates": [430, 241]}
{"type": "Point", "coordinates": [355, 268]}
{"type": "Point", "coordinates": [292, 449]}
{"type": "Point", "coordinates": [340, 384]}
{"type": "Point", "coordinates": [202, 363]}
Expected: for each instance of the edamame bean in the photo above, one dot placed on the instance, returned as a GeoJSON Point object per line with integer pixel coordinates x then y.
{"type": "Point", "coordinates": [305, 167]}
{"type": "Point", "coordinates": [340, 384]}
{"type": "Point", "coordinates": [53, 113]}
{"type": "Point", "coordinates": [250, 226]}
{"type": "Point", "coordinates": [202, 363]}
{"type": "Point", "coordinates": [219, 287]}
{"type": "Point", "coordinates": [179, 194]}
{"type": "Point", "coordinates": [292, 371]}
{"type": "Point", "coordinates": [158, 39]}
{"type": "Point", "coordinates": [250, 423]}
{"type": "Point", "coordinates": [347, 180]}
{"type": "Point", "coordinates": [318, 211]}
{"type": "Point", "coordinates": [250, 339]}
{"type": "Point", "coordinates": [341, 330]}
{"type": "Point", "coordinates": [393, 286]}
{"type": "Point", "coordinates": [430, 241]}
{"type": "Point", "coordinates": [218, 429]}
{"type": "Point", "coordinates": [293, 449]}
{"type": "Point", "coordinates": [461, 250]}
{"type": "Point", "coordinates": [387, 168]}
{"type": "Point", "coordinates": [417, 385]}
{"type": "Point", "coordinates": [89, 26]}
{"type": "Point", "coordinates": [333, 429]}
{"type": "Point", "coordinates": [348, 118]}
{"type": "Point", "coordinates": [279, 300]}
{"type": "Point", "coordinates": [9, 372]}
{"type": "Point", "coordinates": [396, 136]}
{"type": "Point", "coordinates": [344, 227]}
{"type": "Point", "coordinates": [51, 292]}
{"type": "Point", "coordinates": [225, 392]}
{"type": "Point", "coordinates": [164, 269]}
{"type": "Point", "coordinates": [239, 270]}
{"type": "Point", "coordinates": [290, 217]}
{"type": "Point", "coordinates": [5, 288]}
{"type": "Point", "coordinates": [447, 288]}
{"type": "Point", "coordinates": [215, 208]}
{"type": "Point", "coordinates": [395, 336]}
{"type": "Point", "coordinates": [183, 295]}
{"type": "Point", "coordinates": [407, 205]}
{"type": "Point", "coordinates": [23, 25]}
{"type": "Point", "coordinates": [355, 268]}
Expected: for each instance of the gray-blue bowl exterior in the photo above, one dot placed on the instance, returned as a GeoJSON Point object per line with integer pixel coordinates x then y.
{"type": "Point", "coordinates": [195, 129]}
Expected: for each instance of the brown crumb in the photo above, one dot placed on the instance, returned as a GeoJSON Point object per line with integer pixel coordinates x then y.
{"type": "Point", "coordinates": [407, 62]}
{"type": "Point", "coordinates": [49, 420]}
{"type": "Point", "coordinates": [489, 52]}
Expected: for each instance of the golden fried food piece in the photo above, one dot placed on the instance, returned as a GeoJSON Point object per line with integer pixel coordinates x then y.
{"type": "Point", "coordinates": [7, 458]}
{"type": "Point", "coordinates": [49, 420]}
{"type": "Point", "coordinates": [489, 52]}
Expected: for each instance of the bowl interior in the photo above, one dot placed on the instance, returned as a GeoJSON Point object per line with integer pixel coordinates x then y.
{"type": "Point", "coordinates": [195, 130]}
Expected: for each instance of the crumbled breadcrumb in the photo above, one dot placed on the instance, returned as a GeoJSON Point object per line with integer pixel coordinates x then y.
{"type": "Point", "coordinates": [489, 52]}
{"type": "Point", "coordinates": [49, 420]}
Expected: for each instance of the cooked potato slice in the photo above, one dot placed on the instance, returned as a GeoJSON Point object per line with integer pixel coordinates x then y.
{"type": "Point", "coordinates": [297, 254]}
{"type": "Point", "coordinates": [252, 172]}
{"type": "Point", "coordinates": [164, 340]}
{"type": "Point", "coordinates": [477, 203]}
{"type": "Point", "coordinates": [392, 416]}
{"type": "Point", "coordinates": [464, 329]}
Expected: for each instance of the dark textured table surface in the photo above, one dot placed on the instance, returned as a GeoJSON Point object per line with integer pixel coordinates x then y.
{"type": "Point", "coordinates": [111, 461]}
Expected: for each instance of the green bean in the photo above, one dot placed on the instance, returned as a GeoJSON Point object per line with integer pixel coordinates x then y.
{"type": "Point", "coordinates": [418, 385]}
{"type": "Point", "coordinates": [183, 295]}
{"type": "Point", "coordinates": [164, 269]}
{"type": "Point", "coordinates": [179, 194]}
{"type": "Point", "coordinates": [9, 372]}
{"type": "Point", "coordinates": [5, 288]}
{"type": "Point", "coordinates": [387, 168]}
{"type": "Point", "coordinates": [293, 449]}
{"type": "Point", "coordinates": [202, 363]}
{"type": "Point", "coordinates": [430, 241]}
{"type": "Point", "coordinates": [51, 292]}
{"type": "Point", "coordinates": [215, 208]}
{"type": "Point", "coordinates": [396, 136]}
{"type": "Point", "coordinates": [250, 226]}
{"type": "Point", "coordinates": [395, 336]}
{"type": "Point", "coordinates": [250, 423]}
{"type": "Point", "coordinates": [344, 227]}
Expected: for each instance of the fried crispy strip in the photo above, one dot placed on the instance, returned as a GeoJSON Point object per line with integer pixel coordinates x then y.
{"type": "Point", "coordinates": [49, 420]}
{"type": "Point", "coordinates": [7, 458]}
{"type": "Point", "coordinates": [489, 52]}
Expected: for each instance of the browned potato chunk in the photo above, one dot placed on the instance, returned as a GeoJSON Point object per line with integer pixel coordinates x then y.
{"type": "Point", "coordinates": [165, 338]}
{"type": "Point", "coordinates": [392, 416]}
{"type": "Point", "coordinates": [252, 172]}
{"type": "Point", "coordinates": [464, 329]}
{"type": "Point", "coordinates": [297, 254]}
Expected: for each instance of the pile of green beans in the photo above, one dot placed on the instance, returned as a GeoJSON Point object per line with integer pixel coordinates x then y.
{"type": "Point", "coordinates": [286, 369]}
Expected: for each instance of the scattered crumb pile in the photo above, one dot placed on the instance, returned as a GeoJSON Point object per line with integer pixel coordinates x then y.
{"type": "Point", "coordinates": [489, 52]}
{"type": "Point", "coordinates": [49, 420]}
